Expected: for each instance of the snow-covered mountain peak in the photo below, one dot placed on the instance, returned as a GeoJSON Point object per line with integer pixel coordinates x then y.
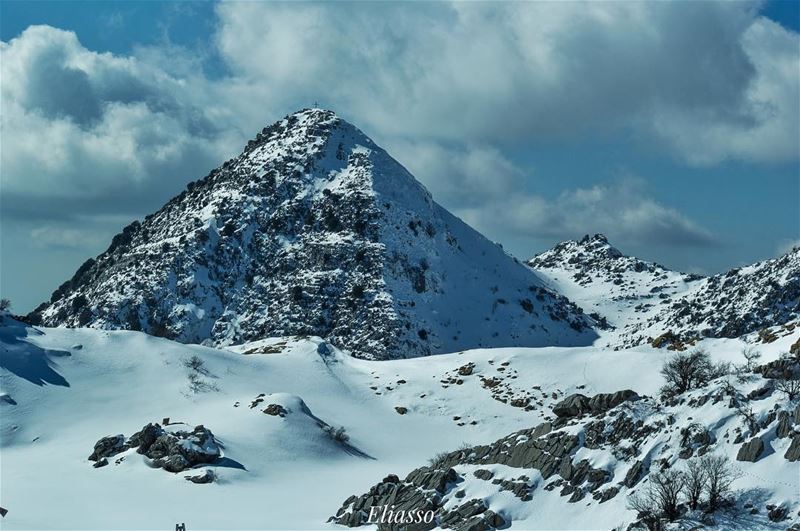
{"type": "Point", "coordinates": [315, 230]}
{"type": "Point", "coordinates": [597, 242]}
{"type": "Point", "coordinates": [590, 257]}
{"type": "Point", "coordinates": [644, 302]}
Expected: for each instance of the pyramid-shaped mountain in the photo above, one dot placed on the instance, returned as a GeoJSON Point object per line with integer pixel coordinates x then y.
{"type": "Point", "coordinates": [315, 230]}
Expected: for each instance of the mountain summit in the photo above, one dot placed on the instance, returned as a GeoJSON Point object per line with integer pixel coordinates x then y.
{"type": "Point", "coordinates": [314, 230]}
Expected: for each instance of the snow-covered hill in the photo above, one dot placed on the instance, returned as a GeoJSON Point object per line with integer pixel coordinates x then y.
{"type": "Point", "coordinates": [642, 301]}
{"type": "Point", "coordinates": [314, 230]}
{"type": "Point", "coordinates": [274, 408]}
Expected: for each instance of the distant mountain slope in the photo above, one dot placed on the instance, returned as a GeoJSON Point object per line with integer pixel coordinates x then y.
{"type": "Point", "coordinates": [315, 230]}
{"type": "Point", "coordinates": [643, 300]}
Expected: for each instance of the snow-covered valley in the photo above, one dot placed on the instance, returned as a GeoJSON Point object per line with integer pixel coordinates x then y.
{"type": "Point", "coordinates": [63, 389]}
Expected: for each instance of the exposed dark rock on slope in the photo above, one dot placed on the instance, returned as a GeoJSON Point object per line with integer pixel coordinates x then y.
{"type": "Point", "coordinates": [595, 450]}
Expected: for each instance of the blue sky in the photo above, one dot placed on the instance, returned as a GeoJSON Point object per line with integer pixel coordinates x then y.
{"type": "Point", "coordinates": [671, 127]}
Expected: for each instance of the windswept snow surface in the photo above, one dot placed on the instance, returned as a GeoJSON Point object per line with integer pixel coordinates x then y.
{"type": "Point", "coordinates": [63, 389]}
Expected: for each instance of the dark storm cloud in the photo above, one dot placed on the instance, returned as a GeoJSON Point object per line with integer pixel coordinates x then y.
{"type": "Point", "coordinates": [704, 80]}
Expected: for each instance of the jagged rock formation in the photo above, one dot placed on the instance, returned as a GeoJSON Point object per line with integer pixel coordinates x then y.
{"type": "Point", "coordinates": [174, 451]}
{"type": "Point", "coordinates": [314, 230]}
{"type": "Point", "coordinates": [627, 437]}
{"type": "Point", "coordinates": [577, 404]}
{"type": "Point", "coordinates": [647, 303]}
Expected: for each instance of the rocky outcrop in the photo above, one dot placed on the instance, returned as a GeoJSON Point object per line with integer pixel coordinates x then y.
{"type": "Point", "coordinates": [107, 446]}
{"type": "Point", "coordinates": [174, 451]}
{"type": "Point", "coordinates": [751, 450]}
{"type": "Point", "coordinates": [207, 476]}
{"type": "Point", "coordinates": [793, 452]}
{"type": "Point", "coordinates": [549, 452]}
{"type": "Point", "coordinates": [577, 404]}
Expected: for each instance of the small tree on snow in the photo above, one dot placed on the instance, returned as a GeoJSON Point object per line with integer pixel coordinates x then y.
{"type": "Point", "coordinates": [720, 475]}
{"type": "Point", "coordinates": [337, 434]}
{"type": "Point", "coordinates": [694, 482]}
{"type": "Point", "coordinates": [687, 371]}
{"type": "Point", "coordinates": [195, 363]}
{"type": "Point", "coordinates": [5, 305]}
{"type": "Point", "coordinates": [751, 357]}
{"type": "Point", "coordinates": [789, 383]}
{"type": "Point", "coordinates": [660, 498]}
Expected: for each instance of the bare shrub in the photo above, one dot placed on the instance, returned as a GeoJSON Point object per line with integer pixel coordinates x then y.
{"type": "Point", "coordinates": [196, 364]}
{"type": "Point", "coordinates": [686, 371]}
{"type": "Point", "coordinates": [337, 434]}
{"type": "Point", "coordinates": [694, 483]}
{"type": "Point", "coordinates": [659, 499]}
{"type": "Point", "coordinates": [788, 382]}
{"type": "Point", "coordinates": [199, 385]}
{"type": "Point", "coordinates": [751, 357]}
{"type": "Point", "coordinates": [720, 475]}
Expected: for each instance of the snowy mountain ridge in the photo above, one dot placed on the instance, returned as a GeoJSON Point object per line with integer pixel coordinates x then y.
{"type": "Point", "coordinates": [644, 302]}
{"type": "Point", "coordinates": [314, 230]}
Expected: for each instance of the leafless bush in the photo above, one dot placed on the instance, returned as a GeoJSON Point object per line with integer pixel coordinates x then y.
{"type": "Point", "coordinates": [687, 371]}
{"type": "Point", "coordinates": [720, 475]}
{"type": "Point", "coordinates": [5, 305]}
{"type": "Point", "coordinates": [659, 499]}
{"type": "Point", "coordinates": [751, 357]}
{"type": "Point", "coordinates": [337, 434]}
{"type": "Point", "coordinates": [745, 411]}
{"type": "Point", "coordinates": [694, 483]}
{"type": "Point", "coordinates": [196, 364]}
{"type": "Point", "coordinates": [198, 385]}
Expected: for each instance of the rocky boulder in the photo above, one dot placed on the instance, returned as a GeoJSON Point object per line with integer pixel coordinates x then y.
{"type": "Point", "coordinates": [784, 425]}
{"type": "Point", "coordinates": [206, 477]}
{"type": "Point", "coordinates": [793, 453]}
{"type": "Point", "coordinates": [173, 451]}
{"type": "Point", "coordinates": [751, 450]}
{"type": "Point", "coordinates": [577, 404]}
{"type": "Point", "coordinates": [107, 446]}
{"type": "Point", "coordinates": [177, 451]}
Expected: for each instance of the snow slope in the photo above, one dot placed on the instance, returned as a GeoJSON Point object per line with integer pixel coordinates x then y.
{"type": "Point", "coordinates": [314, 230]}
{"type": "Point", "coordinates": [63, 389]}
